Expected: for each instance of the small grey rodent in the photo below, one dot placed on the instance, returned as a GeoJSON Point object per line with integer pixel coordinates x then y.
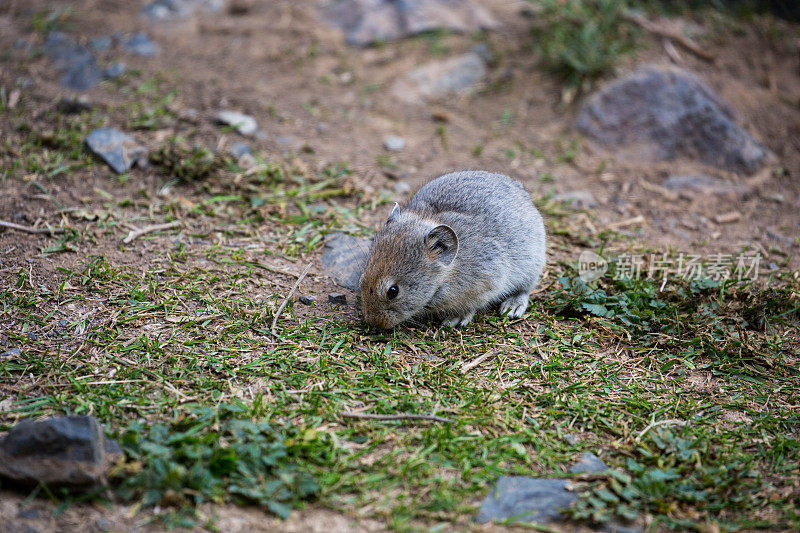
{"type": "Point", "coordinates": [466, 241]}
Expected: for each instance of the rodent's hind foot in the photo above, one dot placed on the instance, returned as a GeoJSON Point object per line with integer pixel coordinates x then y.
{"type": "Point", "coordinates": [458, 320]}
{"type": "Point", "coordinates": [515, 306]}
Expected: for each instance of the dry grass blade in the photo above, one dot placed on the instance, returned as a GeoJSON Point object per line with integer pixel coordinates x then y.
{"type": "Point", "coordinates": [398, 416]}
{"type": "Point", "coordinates": [136, 233]}
{"type": "Point", "coordinates": [291, 292]}
{"type": "Point", "coordinates": [671, 34]}
{"type": "Point", "coordinates": [29, 229]}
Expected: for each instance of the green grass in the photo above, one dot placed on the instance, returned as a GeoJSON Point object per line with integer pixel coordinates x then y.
{"type": "Point", "coordinates": [191, 347]}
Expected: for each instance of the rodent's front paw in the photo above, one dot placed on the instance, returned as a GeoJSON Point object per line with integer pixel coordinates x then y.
{"type": "Point", "coordinates": [516, 305]}
{"type": "Point", "coordinates": [458, 320]}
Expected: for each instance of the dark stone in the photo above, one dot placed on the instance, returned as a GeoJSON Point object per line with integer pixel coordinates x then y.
{"type": "Point", "coordinates": [63, 323]}
{"type": "Point", "coordinates": [76, 62]}
{"type": "Point", "coordinates": [28, 514]}
{"type": "Point", "coordinates": [13, 352]}
{"type": "Point", "coordinates": [117, 149]}
{"type": "Point", "coordinates": [664, 113]}
{"type": "Point", "coordinates": [588, 463]}
{"type": "Point", "coordinates": [526, 499]}
{"type": "Point", "coordinates": [344, 258]}
{"type": "Point", "coordinates": [306, 300]}
{"type": "Point", "coordinates": [142, 45]}
{"type": "Point", "coordinates": [237, 150]}
{"type": "Point", "coordinates": [115, 70]}
{"type": "Point", "coordinates": [31, 336]}
{"type": "Point", "coordinates": [61, 451]}
{"type": "Point", "coordinates": [337, 299]}
{"type": "Point", "coordinates": [369, 21]}
{"type": "Point", "coordinates": [73, 106]}
{"type": "Point", "coordinates": [99, 44]}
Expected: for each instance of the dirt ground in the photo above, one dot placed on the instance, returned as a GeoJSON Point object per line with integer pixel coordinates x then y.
{"type": "Point", "coordinates": [279, 62]}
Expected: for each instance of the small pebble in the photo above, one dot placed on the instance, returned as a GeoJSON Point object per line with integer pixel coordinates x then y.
{"type": "Point", "coordinates": [393, 143]}
{"type": "Point", "coordinates": [237, 150]}
{"type": "Point", "coordinates": [337, 299]}
{"type": "Point", "coordinates": [142, 45]}
{"type": "Point", "coordinates": [31, 336]}
{"type": "Point", "coordinates": [63, 323]}
{"type": "Point", "coordinates": [306, 300]}
{"type": "Point", "coordinates": [114, 70]}
{"type": "Point", "coordinates": [13, 352]}
{"type": "Point", "coordinates": [244, 124]}
{"type": "Point", "coordinates": [98, 44]}
{"type": "Point", "coordinates": [73, 106]}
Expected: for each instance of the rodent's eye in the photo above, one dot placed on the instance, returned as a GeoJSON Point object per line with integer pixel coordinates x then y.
{"type": "Point", "coordinates": [392, 292]}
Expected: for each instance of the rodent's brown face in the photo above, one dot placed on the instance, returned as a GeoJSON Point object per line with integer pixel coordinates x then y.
{"type": "Point", "coordinates": [404, 271]}
{"type": "Point", "coordinates": [398, 280]}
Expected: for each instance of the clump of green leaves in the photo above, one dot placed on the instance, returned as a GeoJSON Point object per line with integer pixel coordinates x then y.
{"type": "Point", "coordinates": [581, 40]}
{"type": "Point", "coordinates": [671, 473]}
{"type": "Point", "coordinates": [221, 455]}
{"type": "Point", "coordinates": [632, 302]}
{"type": "Point", "coordinates": [186, 162]}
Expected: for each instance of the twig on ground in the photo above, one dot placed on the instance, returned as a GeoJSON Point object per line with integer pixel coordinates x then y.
{"type": "Point", "coordinates": [671, 34]}
{"type": "Point", "coordinates": [627, 222]}
{"type": "Point", "coordinates": [136, 233]}
{"type": "Point", "coordinates": [466, 367]}
{"type": "Point", "coordinates": [291, 292]}
{"type": "Point", "coordinates": [29, 229]}
{"type": "Point", "coordinates": [398, 416]}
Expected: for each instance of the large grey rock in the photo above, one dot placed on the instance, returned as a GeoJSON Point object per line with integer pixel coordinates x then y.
{"type": "Point", "coordinates": [526, 499]}
{"type": "Point", "coordinates": [60, 451]}
{"type": "Point", "coordinates": [116, 148]}
{"type": "Point", "coordinates": [664, 113]}
{"type": "Point", "coordinates": [161, 10]}
{"type": "Point", "coordinates": [344, 258]}
{"type": "Point", "coordinates": [369, 21]}
{"type": "Point", "coordinates": [78, 66]}
{"type": "Point", "coordinates": [588, 463]}
{"type": "Point", "coordinates": [440, 79]}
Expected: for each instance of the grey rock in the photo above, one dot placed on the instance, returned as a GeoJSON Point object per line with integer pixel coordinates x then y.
{"type": "Point", "coordinates": [337, 299]}
{"type": "Point", "coordinates": [402, 187]}
{"type": "Point", "coordinates": [369, 21]}
{"type": "Point", "coordinates": [166, 10]}
{"type": "Point", "coordinates": [439, 79]}
{"type": "Point", "coordinates": [238, 150]}
{"type": "Point", "coordinates": [244, 124]}
{"type": "Point", "coordinates": [78, 66]}
{"type": "Point", "coordinates": [393, 143]}
{"type": "Point", "coordinates": [579, 199]}
{"type": "Point", "coordinates": [63, 323]}
{"type": "Point", "coordinates": [344, 258]}
{"type": "Point", "coordinates": [72, 106]}
{"type": "Point", "coordinates": [588, 463]}
{"type": "Point", "coordinates": [703, 183]}
{"type": "Point", "coordinates": [526, 499]}
{"type": "Point", "coordinates": [142, 45]}
{"type": "Point", "coordinates": [61, 451]}
{"type": "Point", "coordinates": [31, 336]}
{"type": "Point", "coordinates": [115, 70]}
{"type": "Point", "coordinates": [663, 113]}
{"type": "Point", "coordinates": [306, 300]}
{"type": "Point", "coordinates": [13, 352]}
{"type": "Point", "coordinates": [22, 44]}
{"type": "Point", "coordinates": [30, 514]}
{"type": "Point", "coordinates": [117, 149]}
{"type": "Point", "coordinates": [570, 439]}
{"type": "Point", "coordinates": [100, 44]}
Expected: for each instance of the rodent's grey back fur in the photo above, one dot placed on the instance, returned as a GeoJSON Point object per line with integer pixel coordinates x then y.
{"type": "Point", "coordinates": [500, 253]}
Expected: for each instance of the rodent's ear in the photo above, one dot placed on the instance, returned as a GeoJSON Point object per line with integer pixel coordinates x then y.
{"type": "Point", "coordinates": [442, 244]}
{"type": "Point", "coordinates": [394, 213]}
